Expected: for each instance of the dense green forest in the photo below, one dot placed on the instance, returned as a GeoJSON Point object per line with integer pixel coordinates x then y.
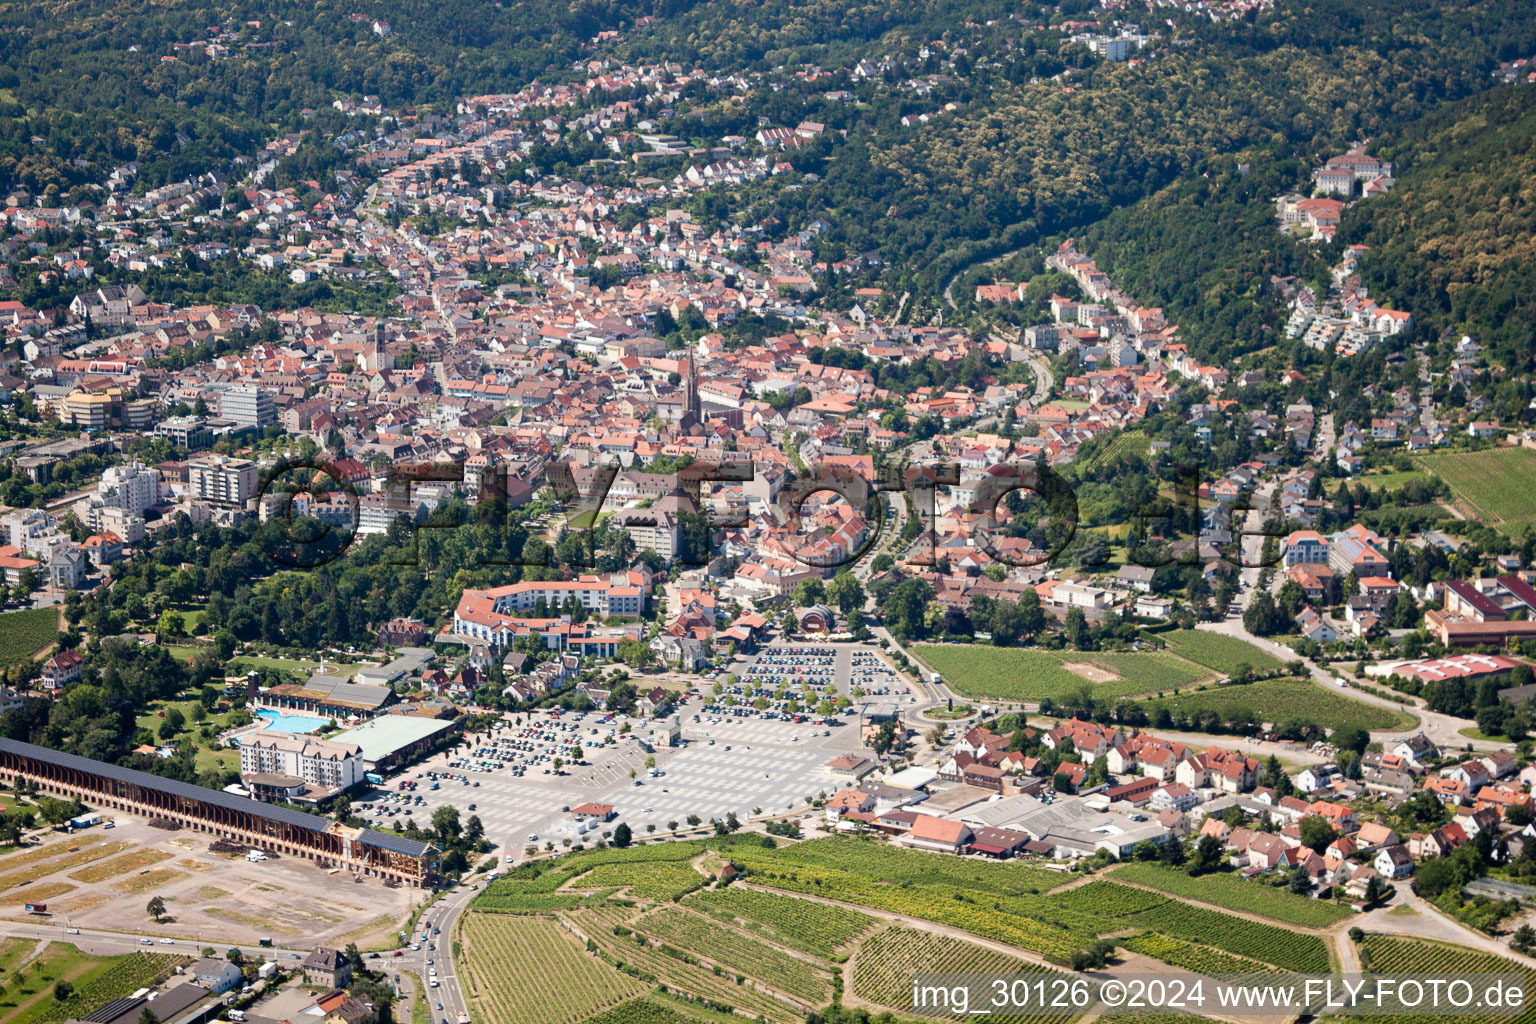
{"type": "Point", "coordinates": [1043, 141]}
{"type": "Point", "coordinates": [88, 79]}
{"type": "Point", "coordinates": [1038, 158]}
{"type": "Point", "coordinates": [1455, 240]}
{"type": "Point", "coordinates": [1204, 249]}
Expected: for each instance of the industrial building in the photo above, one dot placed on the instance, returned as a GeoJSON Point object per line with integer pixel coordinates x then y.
{"type": "Point", "coordinates": [267, 827]}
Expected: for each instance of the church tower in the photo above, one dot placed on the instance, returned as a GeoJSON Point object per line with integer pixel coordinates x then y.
{"type": "Point", "coordinates": [692, 416]}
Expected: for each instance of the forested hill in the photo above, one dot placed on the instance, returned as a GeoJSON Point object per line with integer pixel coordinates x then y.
{"type": "Point", "coordinates": [102, 82]}
{"type": "Point", "coordinates": [89, 84]}
{"type": "Point", "coordinates": [1029, 160]}
{"type": "Point", "coordinates": [1455, 240]}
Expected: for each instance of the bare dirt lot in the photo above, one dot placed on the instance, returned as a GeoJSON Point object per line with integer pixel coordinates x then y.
{"type": "Point", "coordinates": [104, 878]}
{"type": "Point", "coordinates": [1089, 671]}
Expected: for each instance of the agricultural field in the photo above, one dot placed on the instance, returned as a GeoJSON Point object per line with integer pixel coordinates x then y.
{"type": "Point", "coordinates": [1030, 675]}
{"type": "Point", "coordinates": [883, 972]}
{"type": "Point", "coordinates": [657, 1009]}
{"type": "Point", "coordinates": [1390, 954]}
{"type": "Point", "coordinates": [1102, 899]}
{"type": "Point", "coordinates": [1229, 891]}
{"type": "Point", "coordinates": [1129, 442]}
{"type": "Point", "coordinates": [531, 969]}
{"type": "Point", "coordinates": [1493, 486]}
{"type": "Point", "coordinates": [1028, 922]}
{"type": "Point", "coordinates": [1218, 652]}
{"type": "Point", "coordinates": [646, 880]}
{"type": "Point", "coordinates": [659, 871]}
{"type": "Point", "coordinates": [26, 994]}
{"type": "Point", "coordinates": [1192, 956]}
{"type": "Point", "coordinates": [717, 944]}
{"type": "Point", "coordinates": [815, 928]}
{"type": "Point", "coordinates": [1273, 944]}
{"type": "Point", "coordinates": [1281, 700]}
{"type": "Point", "coordinates": [24, 633]}
{"type": "Point", "coordinates": [677, 969]}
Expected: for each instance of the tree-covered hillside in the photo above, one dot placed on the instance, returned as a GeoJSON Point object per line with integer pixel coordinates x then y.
{"type": "Point", "coordinates": [1029, 160]}
{"type": "Point", "coordinates": [1454, 241]}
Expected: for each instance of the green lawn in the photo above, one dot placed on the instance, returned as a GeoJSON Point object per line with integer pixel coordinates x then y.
{"type": "Point", "coordinates": [1027, 674]}
{"type": "Point", "coordinates": [151, 719]}
{"type": "Point", "coordinates": [304, 669]}
{"type": "Point", "coordinates": [24, 633]}
{"type": "Point", "coordinates": [1386, 481]}
{"type": "Point", "coordinates": [1281, 700]}
{"type": "Point", "coordinates": [1218, 652]}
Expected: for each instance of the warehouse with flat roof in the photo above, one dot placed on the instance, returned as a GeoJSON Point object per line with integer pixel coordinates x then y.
{"type": "Point", "coordinates": [390, 740]}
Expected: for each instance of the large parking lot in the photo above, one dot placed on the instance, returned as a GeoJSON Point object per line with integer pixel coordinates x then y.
{"type": "Point", "coordinates": [740, 759]}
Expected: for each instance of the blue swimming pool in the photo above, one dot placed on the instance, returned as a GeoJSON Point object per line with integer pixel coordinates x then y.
{"type": "Point", "coordinates": [279, 722]}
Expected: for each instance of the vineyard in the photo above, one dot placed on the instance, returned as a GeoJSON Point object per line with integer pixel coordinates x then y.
{"type": "Point", "coordinates": [1283, 700]}
{"type": "Point", "coordinates": [1153, 670]}
{"type": "Point", "coordinates": [739, 953]}
{"type": "Point", "coordinates": [916, 867]}
{"type": "Point", "coordinates": [654, 1010]}
{"type": "Point", "coordinates": [1126, 443]}
{"type": "Point", "coordinates": [1272, 944]}
{"type": "Point", "coordinates": [1389, 954]}
{"type": "Point", "coordinates": [123, 976]}
{"type": "Point", "coordinates": [1493, 486]}
{"type": "Point", "coordinates": [1099, 900]}
{"type": "Point", "coordinates": [674, 968]}
{"type": "Point", "coordinates": [660, 871]}
{"type": "Point", "coordinates": [1192, 956]}
{"type": "Point", "coordinates": [887, 960]}
{"type": "Point", "coordinates": [1218, 652]}
{"type": "Point", "coordinates": [647, 880]}
{"type": "Point", "coordinates": [1020, 674]}
{"type": "Point", "coordinates": [1028, 922]}
{"type": "Point", "coordinates": [24, 633]}
{"type": "Point", "coordinates": [532, 970]}
{"type": "Point", "coordinates": [816, 928]}
{"type": "Point", "coordinates": [1230, 891]}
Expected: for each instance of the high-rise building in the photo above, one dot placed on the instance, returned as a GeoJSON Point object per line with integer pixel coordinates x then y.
{"type": "Point", "coordinates": [221, 479]}
{"type": "Point", "coordinates": [248, 406]}
{"type": "Point", "coordinates": [133, 487]}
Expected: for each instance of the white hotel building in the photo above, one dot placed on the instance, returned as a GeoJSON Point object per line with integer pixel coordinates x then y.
{"type": "Point", "coordinates": [490, 616]}
{"type": "Point", "coordinates": [316, 761]}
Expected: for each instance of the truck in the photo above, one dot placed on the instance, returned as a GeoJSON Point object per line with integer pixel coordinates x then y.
{"type": "Point", "coordinates": [374, 778]}
{"type": "Point", "coordinates": [935, 678]}
{"type": "Point", "coordinates": [265, 943]}
{"type": "Point", "coordinates": [37, 908]}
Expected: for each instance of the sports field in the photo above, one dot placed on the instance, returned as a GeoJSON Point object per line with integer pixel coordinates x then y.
{"type": "Point", "coordinates": [1496, 486]}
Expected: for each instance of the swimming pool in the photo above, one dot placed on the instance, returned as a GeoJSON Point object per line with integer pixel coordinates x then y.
{"type": "Point", "coordinates": [279, 722]}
